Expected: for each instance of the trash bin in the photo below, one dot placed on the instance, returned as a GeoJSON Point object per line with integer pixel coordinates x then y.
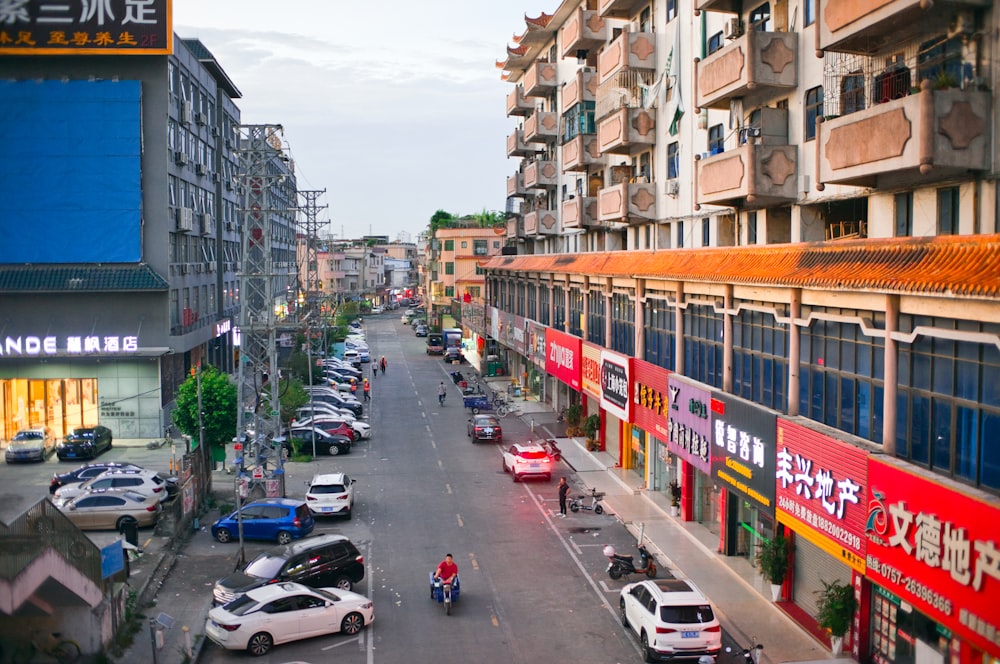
{"type": "Point", "coordinates": [130, 531]}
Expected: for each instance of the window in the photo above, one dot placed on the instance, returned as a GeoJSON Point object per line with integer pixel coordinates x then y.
{"type": "Point", "coordinates": [904, 214]}
{"type": "Point", "coordinates": [543, 305]}
{"type": "Point", "coordinates": [449, 291]}
{"type": "Point", "coordinates": [752, 227]}
{"type": "Point", "coordinates": [703, 345]}
{"type": "Point", "coordinates": [680, 234]}
{"type": "Point", "coordinates": [622, 323]}
{"type": "Point", "coordinates": [760, 18]}
{"type": "Point", "coordinates": [659, 333]}
{"type": "Point", "coordinates": [575, 320]}
{"type": "Point", "coordinates": [596, 317]}
{"type": "Point", "coordinates": [578, 120]}
{"type": "Point", "coordinates": [706, 231]}
{"type": "Point", "coordinates": [814, 109]}
{"type": "Point", "coordinates": [465, 244]}
{"type": "Point", "coordinates": [716, 139]}
{"type": "Point", "coordinates": [947, 202]}
{"type": "Point", "coordinates": [673, 158]}
{"type": "Point", "coordinates": [852, 93]}
{"type": "Point", "coordinates": [479, 248]}
{"type": "Point", "coordinates": [449, 268]}
{"type": "Point", "coordinates": [671, 9]}
{"type": "Point", "coordinates": [715, 42]}
{"type": "Point", "coordinates": [496, 244]}
{"type": "Point", "coordinates": [760, 364]}
{"type": "Point", "coordinates": [449, 245]}
{"type": "Point", "coordinates": [808, 12]}
{"type": "Point", "coordinates": [475, 292]}
{"type": "Point", "coordinates": [940, 60]}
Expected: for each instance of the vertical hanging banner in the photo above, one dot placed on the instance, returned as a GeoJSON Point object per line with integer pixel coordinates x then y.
{"type": "Point", "coordinates": [615, 390]}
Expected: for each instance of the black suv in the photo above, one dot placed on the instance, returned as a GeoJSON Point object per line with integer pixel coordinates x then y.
{"type": "Point", "coordinates": [319, 562]}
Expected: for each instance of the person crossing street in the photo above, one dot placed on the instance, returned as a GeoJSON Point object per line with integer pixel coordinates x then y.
{"type": "Point", "coordinates": [382, 364]}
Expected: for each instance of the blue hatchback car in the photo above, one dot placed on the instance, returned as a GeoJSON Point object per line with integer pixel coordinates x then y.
{"type": "Point", "coordinates": [278, 519]}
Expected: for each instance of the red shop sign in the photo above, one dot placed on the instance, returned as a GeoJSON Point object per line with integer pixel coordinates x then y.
{"type": "Point", "coordinates": [563, 357]}
{"type": "Point", "coordinates": [936, 548]}
{"type": "Point", "coordinates": [822, 491]}
{"type": "Point", "coordinates": [650, 397]}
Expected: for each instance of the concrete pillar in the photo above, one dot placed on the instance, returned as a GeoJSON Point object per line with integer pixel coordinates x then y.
{"type": "Point", "coordinates": [679, 330]}
{"type": "Point", "coordinates": [794, 349]}
{"type": "Point", "coordinates": [607, 312]}
{"type": "Point", "coordinates": [891, 376]}
{"type": "Point", "coordinates": [727, 341]}
{"type": "Point", "coordinates": [640, 318]}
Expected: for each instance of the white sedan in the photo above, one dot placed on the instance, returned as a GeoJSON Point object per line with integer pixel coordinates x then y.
{"type": "Point", "coordinates": [283, 612]}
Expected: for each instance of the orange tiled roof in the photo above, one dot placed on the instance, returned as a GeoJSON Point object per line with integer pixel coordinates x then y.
{"type": "Point", "coordinates": [965, 266]}
{"type": "Point", "coordinates": [512, 52]}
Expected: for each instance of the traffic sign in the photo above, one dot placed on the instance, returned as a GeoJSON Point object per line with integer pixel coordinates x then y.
{"type": "Point", "coordinates": [258, 473]}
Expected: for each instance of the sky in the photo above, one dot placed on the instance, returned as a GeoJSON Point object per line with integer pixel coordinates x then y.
{"type": "Point", "coordinates": [395, 108]}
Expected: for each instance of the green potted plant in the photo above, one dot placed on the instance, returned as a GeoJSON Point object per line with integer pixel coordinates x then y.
{"type": "Point", "coordinates": [835, 610]}
{"type": "Point", "coordinates": [591, 425]}
{"type": "Point", "coordinates": [675, 497]}
{"type": "Point", "coordinates": [772, 560]}
{"type": "Point", "coordinates": [574, 414]}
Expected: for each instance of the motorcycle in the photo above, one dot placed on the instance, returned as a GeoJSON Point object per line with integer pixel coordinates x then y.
{"type": "Point", "coordinates": [750, 655]}
{"type": "Point", "coordinates": [622, 565]}
{"type": "Point", "coordinates": [576, 503]}
{"type": "Point", "coordinates": [555, 454]}
{"type": "Point", "coordinates": [456, 377]}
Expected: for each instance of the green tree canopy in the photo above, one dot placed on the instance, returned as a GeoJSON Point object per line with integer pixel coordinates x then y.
{"type": "Point", "coordinates": [218, 402]}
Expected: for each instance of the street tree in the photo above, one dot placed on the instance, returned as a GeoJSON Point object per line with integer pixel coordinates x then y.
{"type": "Point", "coordinates": [218, 403]}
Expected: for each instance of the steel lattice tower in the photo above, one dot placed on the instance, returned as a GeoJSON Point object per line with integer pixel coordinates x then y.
{"type": "Point", "coordinates": [310, 227]}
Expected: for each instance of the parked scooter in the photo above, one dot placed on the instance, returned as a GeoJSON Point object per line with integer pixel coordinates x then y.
{"type": "Point", "coordinates": [576, 503]}
{"type": "Point", "coordinates": [750, 655]}
{"type": "Point", "coordinates": [556, 455]}
{"type": "Point", "coordinates": [621, 565]}
{"type": "Point", "coordinates": [456, 377]}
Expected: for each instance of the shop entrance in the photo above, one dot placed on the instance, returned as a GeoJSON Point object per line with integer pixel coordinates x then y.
{"type": "Point", "coordinates": [60, 404]}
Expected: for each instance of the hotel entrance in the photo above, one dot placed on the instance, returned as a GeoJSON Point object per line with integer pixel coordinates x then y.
{"type": "Point", "coordinates": [60, 404]}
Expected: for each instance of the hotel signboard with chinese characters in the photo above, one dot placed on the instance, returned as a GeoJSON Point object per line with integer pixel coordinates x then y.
{"type": "Point", "coordinates": [936, 547]}
{"type": "Point", "coordinates": [86, 27]}
{"type": "Point", "coordinates": [67, 346]}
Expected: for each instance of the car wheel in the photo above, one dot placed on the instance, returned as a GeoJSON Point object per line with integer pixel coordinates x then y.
{"type": "Point", "coordinates": [343, 583]}
{"type": "Point", "coordinates": [475, 411]}
{"type": "Point", "coordinates": [514, 476]}
{"type": "Point", "coordinates": [621, 612]}
{"type": "Point", "coordinates": [348, 513]}
{"type": "Point", "coordinates": [110, 443]}
{"type": "Point", "coordinates": [648, 653]}
{"type": "Point", "coordinates": [503, 464]}
{"type": "Point", "coordinates": [125, 520]}
{"type": "Point", "coordinates": [334, 450]}
{"type": "Point", "coordinates": [260, 644]}
{"type": "Point", "coordinates": [284, 537]}
{"type": "Point", "coordinates": [223, 535]}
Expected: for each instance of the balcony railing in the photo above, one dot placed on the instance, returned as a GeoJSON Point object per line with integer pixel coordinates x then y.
{"type": "Point", "coordinates": [517, 103]}
{"type": "Point", "coordinates": [541, 174]}
{"type": "Point", "coordinates": [730, 6]}
{"type": "Point", "coordinates": [617, 8]}
{"type": "Point", "coordinates": [579, 212]}
{"type": "Point", "coordinates": [626, 131]}
{"type": "Point", "coordinates": [541, 80]}
{"type": "Point", "coordinates": [580, 88]}
{"type": "Point", "coordinates": [579, 153]}
{"type": "Point", "coordinates": [517, 147]}
{"type": "Point", "coordinates": [541, 127]}
{"type": "Point", "coordinates": [758, 64]}
{"type": "Point", "coordinates": [631, 50]}
{"type": "Point", "coordinates": [756, 173]}
{"type": "Point", "coordinates": [627, 202]}
{"type": "Point", "coordinates": [515, 228]}
{"type": "Point", "coordinates": [584, 30]}
{"type": "Point", "coordinates": [541, 222]}
{"type": "Point", "coordinates": [515, 186]}
{"type": "Point", "coordinates": [926, 136]}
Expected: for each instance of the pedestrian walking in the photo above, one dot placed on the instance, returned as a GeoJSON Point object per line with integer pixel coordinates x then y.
{"type": "Point", "coordinates": [382, 364]}
{"type": "Point", "coordinates": [374, 371]}
{"type": "Point", "coordinates": [354, 387]}
{"type": "Point", "coordinates": [563, 492]}
{"type": "Point", "coordinates": [367, 390]}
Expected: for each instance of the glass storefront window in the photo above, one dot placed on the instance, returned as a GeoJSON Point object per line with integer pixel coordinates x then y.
{"type": "Point", "coordinates": [60, 404]}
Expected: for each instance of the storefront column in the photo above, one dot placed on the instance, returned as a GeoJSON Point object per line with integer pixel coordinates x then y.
{"type": "Point", "coordinates": [640, 319]}
{"type": "Point", "coordinates": [727, 341]}
{"type": "Point", "coordinates": [891, 376]}
{"type": "Point", "coordinates": [585, 323]}
{"type": "Point", "coordinates": [607, 312]}
{"type": "Point", "coordinates": [688, 496]}
{"type": "Point", "coordinates": [679, 330]}
{"type": "Point", "coordinates": [794, 344]}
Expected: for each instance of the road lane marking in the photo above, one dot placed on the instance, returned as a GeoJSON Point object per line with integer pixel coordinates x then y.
{"type": "Point", "coordinates": [461, 524]}
{"type": "Point", "coordinates": [447, 487]}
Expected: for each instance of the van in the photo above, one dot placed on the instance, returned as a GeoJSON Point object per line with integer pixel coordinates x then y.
{"type": "Point", "coordinates": [435, 344]}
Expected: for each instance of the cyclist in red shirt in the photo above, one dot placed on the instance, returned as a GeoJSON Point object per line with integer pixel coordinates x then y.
{"type": "Point", "coordinates": [447, 571]}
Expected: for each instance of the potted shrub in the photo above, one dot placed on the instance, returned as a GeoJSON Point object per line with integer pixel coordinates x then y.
{"type": "Point", "coordinates": [675, 497]}
{"type": "Point", "coordinates": [574, 414]}
{"type": "Point", "coordinates": [772, 560]}
{"type": "Point", "coordinates": [591, 426]}
{"type": "Point", "coordinates": [835, 610]}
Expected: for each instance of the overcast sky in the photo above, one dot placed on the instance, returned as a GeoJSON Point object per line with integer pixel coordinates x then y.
{"type": "Point", "coordinates": [395, 107]}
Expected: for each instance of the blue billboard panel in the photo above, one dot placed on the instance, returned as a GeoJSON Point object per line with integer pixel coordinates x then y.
{"type": "Point", "coordinates": [70, 187]}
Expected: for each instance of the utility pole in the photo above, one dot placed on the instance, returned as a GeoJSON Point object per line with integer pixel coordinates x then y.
{"type": "Point", "coordinates": [310, 227]}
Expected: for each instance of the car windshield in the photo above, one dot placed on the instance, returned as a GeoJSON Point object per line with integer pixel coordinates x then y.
{"type": "Point", "coordinates": [326, 488]}
{"type": "Point", "coordinates": [687, 615]}
{"type": "Point", "coordinates": [264, 566]}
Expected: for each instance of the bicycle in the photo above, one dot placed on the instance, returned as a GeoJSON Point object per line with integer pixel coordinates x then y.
{"type": "Point", "coordinates": [509, 408]}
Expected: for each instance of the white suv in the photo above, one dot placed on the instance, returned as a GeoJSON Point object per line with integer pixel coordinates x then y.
{"type": "Point", "coordinates": [331, 493]}
{"type": "Point", "coordinates": [672, 618]}
{"type": "Point", "coordinates": [527, 460]}
{"type": "Point", "coordinates": [146, 482]}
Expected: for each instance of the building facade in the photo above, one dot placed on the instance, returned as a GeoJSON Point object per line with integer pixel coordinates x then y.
{"type": "Point", "coordinates": [758, 240]}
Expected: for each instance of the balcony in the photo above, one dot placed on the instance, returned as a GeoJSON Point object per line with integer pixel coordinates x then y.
{"type": "Point", "coordinates": [515, 186]}
{"type": "Point", "coordinates": [541, 127]}
{"type": "Point", "coordinates": [580, 153]}
{"type": "Point", "coordinates": [583, 31]}
{"type": "Point", "coordinates": [756, 173]}
{"type": "Point", "coordinates": [581, 88]}
{"type": "Point", "coordinates": [540, 80]}
{"type": "Point", "coordinates": [540, 222]}
{"type": "Point", "coordinates": [758, 64]}
{"type": "Point", "coordinates": [867, 26]}
{"type": "Point", "coordinates": [518, 147]}
{"type": "Point", "coordinates": [627, 131]}
{"type": "Point", "coordinates": [632, 50]}
{"type": "Point", "coordinates": [541, 175]}
{"type": "Point", "coordinates": [515, 228]}
{"type": "Point", "coordinates": [627, 202]}
{"type": "Point", "coordinates": [617, 8]}
{"type": "Point", "coordinates": [579, 212]}
{"type": "Point", "coordinates": [926, 136]}
{"type": "Point", "coordinates": [730, 6]}
{"type": "Point", "coordinates": [517, 103]}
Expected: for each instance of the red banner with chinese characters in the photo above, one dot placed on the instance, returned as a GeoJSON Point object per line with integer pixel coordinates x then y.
{"type": "Point", "coordinates": [936, 548]}
{"type": "Point", "coordinates": [590, 369]}
{"type": "Point", "coordinates": [563, 358]}
{"type": "Point", "coordinates": [822, 491]}
{"type": "Point", "coordinates": [650, 397]}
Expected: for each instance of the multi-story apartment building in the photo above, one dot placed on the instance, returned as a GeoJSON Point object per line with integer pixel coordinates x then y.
{"type": "Point", "coordinates": [759, 240]}
{"type": "Point", "coordinates": [456, 263]}
{"type": "Point", "coordinates": [139, 252]}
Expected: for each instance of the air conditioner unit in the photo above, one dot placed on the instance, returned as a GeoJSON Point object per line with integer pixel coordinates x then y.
{"type": "Point", "coordinates": [186, 112]}
{"type": "Point", "coordinates": [215, 131]}
{"type": "Point", "coordinates": [217, 177]}
{"type": "Point", "coordinates": [673, 187]}
{"type": "Point", "coordinates": [180, 157]}
{"type": "Point", "coordinates": [205, 222]}
{"type": "Point", "coordinates": [733, 29]}
{"type": "Point", "coordinates": [200, 118]}
{"type": "Point", "coordinates": [631, 26]}
{"type": "Point", "coordinates": [185, 219]}
{"type": "Point", "coordinates": [201, 169]}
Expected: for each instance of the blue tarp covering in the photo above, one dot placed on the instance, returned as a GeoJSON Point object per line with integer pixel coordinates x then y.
{"type": "Point", "coordinates": [70, 189]}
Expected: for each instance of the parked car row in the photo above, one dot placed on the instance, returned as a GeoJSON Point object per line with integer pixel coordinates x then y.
{"type": "Point", "coordinates": [39, 443]}
{"type": "Point", "coordinates": [104, 496]}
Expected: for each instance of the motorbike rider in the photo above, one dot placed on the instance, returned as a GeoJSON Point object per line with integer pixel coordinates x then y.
{"type": "Point", "coordinates": [442, 390]}
{"type": "Point", "coordinates": [447, 571]}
